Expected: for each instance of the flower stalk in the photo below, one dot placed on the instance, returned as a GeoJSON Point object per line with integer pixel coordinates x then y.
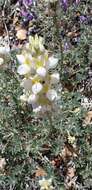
{"type": "Point", "coordinates": [57, 36]}
{"type": "Point", "coordinates": [39, 81]}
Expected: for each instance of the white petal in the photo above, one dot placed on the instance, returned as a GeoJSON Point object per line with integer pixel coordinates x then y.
{"type": "Point", "coordinates": [55, 77]}
{"type": "Point", "coordinates": [23, 69]}
{"type": "Point", "coordinates": [1, 61]}
{"type": "Point", "coordinates": [23, 98]}
{"type": "Point", "coordinates": [37, 109]}
{"type": "Point", "coordinates": [50, 181]}
{"type": "Point", "coordinates": [52, 62]}
{"type": "Point", "coordinates": [37, 87]}
{"type": "Point", "coordinates": [41, 181]}
{"type": "Point", "coordinates": [4, 50]}
{"type": "Point", "coordinates": [27, 84]}
{"type": "Point", "coordinates": [21, 58]}
{"type": "Point", "coordinates": [41, 71]}
{"type": "Point", "coordinates": [51, 95]}
{"type": "Point", "coordinates": [32, 98]}
{"type": "Point", "coordinates": [41, 47]}
{"type": "Point", "coordinates": [29, 57]}
{"type": "Point", "coordinates": [27, 46]}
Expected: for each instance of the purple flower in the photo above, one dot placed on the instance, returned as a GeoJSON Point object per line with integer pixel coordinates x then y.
{"type": "Point", "coordinates": [25, 10]}
{"type": "Point", "coordinates": [64, 3]}
{"type": "Point", "coordinates": [28, 15]}
{"type": "Point", "coordinates": [24, 13]}
{"type": "Point", "coordinates": [77, 1]}
{"type": "Point", "coordinates": [83, 19]}
{"type": "Point", "coordinates": [25, 2]}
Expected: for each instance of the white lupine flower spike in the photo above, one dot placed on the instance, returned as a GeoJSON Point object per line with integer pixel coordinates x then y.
{"type": "Point", "coordinates": [39, 83]}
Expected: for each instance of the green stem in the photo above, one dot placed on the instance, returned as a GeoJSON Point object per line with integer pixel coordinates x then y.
{"type": "Point", "coordinates": [50, 121]}
{"type": "Point", "coordinates": [52, 130]}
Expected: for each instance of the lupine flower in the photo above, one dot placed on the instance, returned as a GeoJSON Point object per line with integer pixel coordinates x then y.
{"type": "Point", "coordinates": [38, 83]}
{"type": "Point", "coordinates": [83, 19]}
{"type": "Point", "coordinates": [28, 2]}
{"type": "Point", "coordinates": [45, 184]}
{"type": "Point", "coordinates": [25, 2]}
{"type": "Point", "coordinates": [25, 12]}
{"type": "Point", "coordinates": [64, 3]}
{"type": "Point", "coordinates": [51, 1]}
{"type": "Point", "coordinates": [77, 1]}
